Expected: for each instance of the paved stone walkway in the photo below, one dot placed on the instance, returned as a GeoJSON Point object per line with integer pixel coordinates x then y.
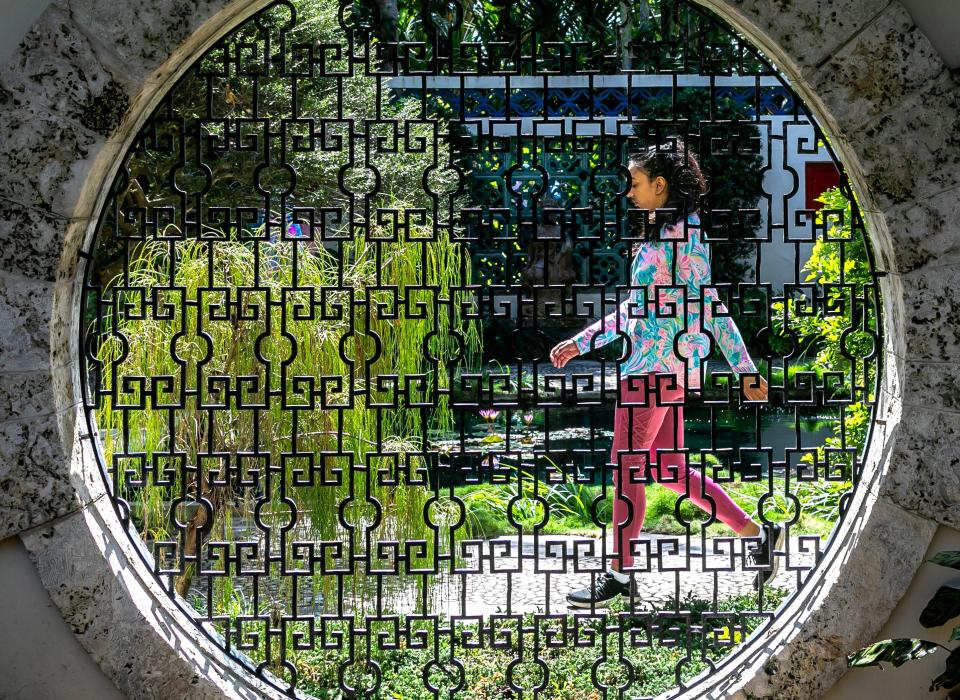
{"type": "Point", "coordinates": [511, 580]}
{"type": "Point", "coordinates": [505, 575]}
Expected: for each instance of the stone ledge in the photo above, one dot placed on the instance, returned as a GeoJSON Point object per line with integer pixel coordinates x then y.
{"type": "Point", "coordinates": [122, 617]}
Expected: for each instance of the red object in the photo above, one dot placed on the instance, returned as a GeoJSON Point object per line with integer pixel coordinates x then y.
{"type": "Point", "coordinates": [648, 427]}
{"type": "Point", "coordinates": [818, 178]}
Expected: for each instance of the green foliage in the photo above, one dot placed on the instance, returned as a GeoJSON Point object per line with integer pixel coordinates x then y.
{"type": "Point", "coordinates": [944, 606]}
{"type": "Point", "coordinates": [604, 36]}
{"type": "Point", "coordinates": [693, 632]}
{"type": "Point", "coordinates": [838, 331]}
{"type": "Point", "coordinates": [835, 339]}
{"type": "Point", "coordinates": [486, 508]}
{"type": "Point", "coordinates": [947, 558]}
{"type": "Point", "coordinates": [492, 509]}
{"type": "Point", "coordinates": [410, 173]}
{"type": "Point", "coordinates": [894, 651]}
{"type": "Point", "coordinates": [189, 350]}
{"type": "Point", "coordinates": [820, 498]}
{"type": "Point", "coordinates": [240, 323]}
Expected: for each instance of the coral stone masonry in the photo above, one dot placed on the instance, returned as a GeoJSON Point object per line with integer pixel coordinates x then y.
{"type": "Point", "coordinates": [90, 71]}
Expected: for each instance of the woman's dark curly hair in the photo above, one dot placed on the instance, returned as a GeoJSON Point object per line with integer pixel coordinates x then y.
{"type": "Point", "coordinates": [679, 167]}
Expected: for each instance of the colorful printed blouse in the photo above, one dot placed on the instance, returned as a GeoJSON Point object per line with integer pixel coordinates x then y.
{"type": "Point", "coordinates": [661, 337]}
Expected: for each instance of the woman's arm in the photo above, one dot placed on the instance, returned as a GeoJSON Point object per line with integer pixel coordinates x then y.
{"type": "Point", "coordinates": [724, 330]}
{"type": "Point", "coordinates": [603, 331]}
{"type": "Point", "coordinates": [607, 329]}
{"type": "Point", "coordinates": [733, 348]}
{"type": "Point", "coordinates": [727, 335]}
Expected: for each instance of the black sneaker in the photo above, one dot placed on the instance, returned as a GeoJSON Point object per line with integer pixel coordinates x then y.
{"type": "Point", "coordinates": [762, 555]}
{"type": "Point", "coordinates": [605, 590]}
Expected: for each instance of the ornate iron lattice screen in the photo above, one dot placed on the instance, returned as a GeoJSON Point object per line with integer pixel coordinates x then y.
{"type": "Point", "coordinates": [321, 324]}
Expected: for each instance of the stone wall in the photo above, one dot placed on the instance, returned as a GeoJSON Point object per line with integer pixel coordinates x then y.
{"type": "Point", "coordinates": [85, 77]}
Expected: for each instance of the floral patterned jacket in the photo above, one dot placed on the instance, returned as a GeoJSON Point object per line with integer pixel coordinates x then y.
{"type": "Point", "coordinates": [666, 278]}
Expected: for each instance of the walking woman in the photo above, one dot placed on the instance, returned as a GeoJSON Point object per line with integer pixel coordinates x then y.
{"type": "Point", "coordinates": [661, 320]}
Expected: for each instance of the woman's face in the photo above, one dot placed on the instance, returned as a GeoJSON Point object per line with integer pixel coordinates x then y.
{"type": "Point", "coordinates": [647, 193]}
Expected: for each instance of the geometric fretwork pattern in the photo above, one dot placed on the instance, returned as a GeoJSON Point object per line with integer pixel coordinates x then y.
{"type": "Point", "coordinates": [317, 325]}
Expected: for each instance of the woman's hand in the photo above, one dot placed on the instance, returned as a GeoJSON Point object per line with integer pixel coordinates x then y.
{"type": "Point", "coordinates": [755, 388]}
{"type": "Point", "coordinates": [563, 352]}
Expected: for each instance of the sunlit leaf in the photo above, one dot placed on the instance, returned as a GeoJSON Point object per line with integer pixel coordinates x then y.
{"type": "Point", "coordinates": [894, 651]}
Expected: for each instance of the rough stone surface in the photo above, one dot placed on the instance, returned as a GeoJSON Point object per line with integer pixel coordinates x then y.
{"type": "Point", "coordinates": [884, 63]}
{"type": "Point", "coordinates": [932, 385]}
{"type": "Point", "coordinates": [64, 334]}
{"type": "Point", "coordinates": [31, 240]}
{"type": "Point", "coordinates": [808, 31]}
{"type": "Point", "coordinates": [932, 306]}
{"type": "Point", "coordinates": [34, 486]}
{"type": "Point", "coordinates": [882, 242]}
{"type": "Point", "coordinates": [925, 231]}
{"type": "Point", "coordinates": [45, 158]}
{"type": "Point", "coordinates": [924, 469]}
{"type": "Point", "coordinates": [25, 395]}
{"type": "Point", "coordinates": [24, 317]}
{"type": "Point", "coordinates": [831, 631]}
{"type": "Point", "coordinates": [124, 621]}
{"type": "Point", "coordinates": [914, 151]}
{"type": "Point", "coordinates": [57, 68]}
{"type": "Point", "coordinates": [821, 630]}
{"type": "Point", "coordinates": [162, 26]}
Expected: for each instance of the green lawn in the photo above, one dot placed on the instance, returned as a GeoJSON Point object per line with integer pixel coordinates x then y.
{"type": "Point", "coordinates": [486, 516]}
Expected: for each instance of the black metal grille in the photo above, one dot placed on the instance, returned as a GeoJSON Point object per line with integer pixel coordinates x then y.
{"type": "Point", "coordinates": [317, 326]}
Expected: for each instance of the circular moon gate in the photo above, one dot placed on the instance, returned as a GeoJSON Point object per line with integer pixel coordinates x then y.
{"type": "Point", "coordinates": [317, 325]}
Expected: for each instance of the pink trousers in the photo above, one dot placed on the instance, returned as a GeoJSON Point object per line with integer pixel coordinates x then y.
{"type": "Point", "coordinates": [648, 429]}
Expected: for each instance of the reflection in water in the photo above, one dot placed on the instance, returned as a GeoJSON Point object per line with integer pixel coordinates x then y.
{"type": "Point", "coordinates": [586, 434]}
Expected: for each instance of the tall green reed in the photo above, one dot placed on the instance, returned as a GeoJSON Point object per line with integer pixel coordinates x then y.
{"type": "Point", "coordinates": [267, 358]}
